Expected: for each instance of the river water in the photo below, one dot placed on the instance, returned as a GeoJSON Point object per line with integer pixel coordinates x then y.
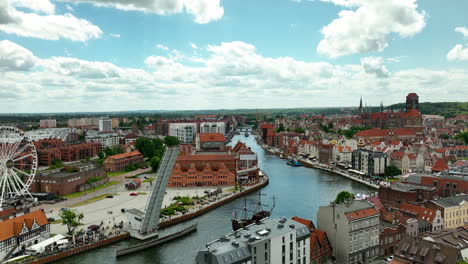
{"type": "Point", "coordinates": [299, 191]}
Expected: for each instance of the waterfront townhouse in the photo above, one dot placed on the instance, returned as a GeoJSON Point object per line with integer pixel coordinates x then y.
{"type": "Point", "coordinates": [353, 230]}
{"type": "Point", "coordinates": [22, 232]}
{"type": "Point", "coordinates": [271, 241]}
{"type": "Point", "coordinates": [342, 154]}
{"type": "Point", "coordinates": [320, 249]}
{"type": "Point", "coordinates": [454, 210]}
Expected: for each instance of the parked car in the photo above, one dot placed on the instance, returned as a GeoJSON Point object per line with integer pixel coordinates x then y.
{"type": "Point", "coordinates": [390, 258]}
{"type": "Point", "coordinates": [110, 196]}
{"type": "Point", "coordinates": [133, 194]}
{"type": "Point", "coordinates": [50, 219]}
{"type": "Point", "coordinates": [92, 228]}
{"type": "Point", "coordinates": [63, 209]}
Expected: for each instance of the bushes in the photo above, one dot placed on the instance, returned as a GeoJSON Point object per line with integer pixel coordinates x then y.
{"type": "Point", "coordinates": [93, 179]}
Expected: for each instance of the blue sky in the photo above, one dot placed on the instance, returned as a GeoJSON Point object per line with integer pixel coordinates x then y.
{"type": "Point", "coordinates": [88, 55]}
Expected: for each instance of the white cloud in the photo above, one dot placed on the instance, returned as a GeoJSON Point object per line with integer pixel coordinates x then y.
{"type": "Point", "coordinates": [193, 45]}
{"type": "Point", "coordinates": [232, 75]}
{"type": "Point", "coordinates": [49, 26]}
{"type": "Point", "coordinates": [462, 30]}
{"type": "Point", "coordinates": [14, 57]}
{"type": "Point", "coordinates": [114, 35]}
{"type": "Point", "coordinates": [162, 47]}
{"type": "Point", "coordinates": [459, 52]}
{"type": "Point", "coordinates": [69, 8]}
{"type": "Point", "coordinates": [366, 27]}
{"type": "Point", "coordinates": [204, 11]}
{"type": "Point", "coordinates": [40, 6]}
{"type": "Point", "coordinates": [374, 65]}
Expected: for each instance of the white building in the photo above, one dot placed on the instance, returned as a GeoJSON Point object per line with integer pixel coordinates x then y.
{"type": "Point", "coordinates": [80, 122]}
{"type": "Point", "coordinates": [272, 241]}
{"type": "Point", "coordinates": [342, 154]}
{"type": "Point", "coordinates": [47, 123]}
{"type": "Point", "coordinates": [106, 139]}
{"type": "Point", "coordinates": [353, 230]}
{"type": "Point", "coordinates": [213, 127]}
{"type": "Point", "coordinates": [185, 132]}
{"type": "Point", "coordinates": [64, 134]}
{"type": "Point", "coordinates": [105, 124]}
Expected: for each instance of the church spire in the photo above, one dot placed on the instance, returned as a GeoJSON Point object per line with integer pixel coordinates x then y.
{"type": "Point", "coordinates": [360, 106]}
{"type": "Point", "coordinates": [381, 106]}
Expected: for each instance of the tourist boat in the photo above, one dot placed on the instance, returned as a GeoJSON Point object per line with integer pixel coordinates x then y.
{"type": "Point", "coordinates": [258, 214]}
{"type": "Point", "coordinates": [246, 134]}
{"type": "Point", "coordinates": [294, 163]}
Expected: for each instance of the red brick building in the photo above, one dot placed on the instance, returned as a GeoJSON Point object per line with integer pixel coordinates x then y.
{"type": "Point", "coordinates": [390, 236]}
{"type": "Point", "coordinates": [210, 141]}
{"type": "Point", "coordinates": [121, 161]}
{"type": "Point", "coordinates": [247, 166]}
{"type": "Point", "coordinates": [320, 248]}
{"type": "Point", "coordinates": [387, 135]}
{"type": "Point", "coordinates": [400, 192]}
{"type": "Point", "coordinates": [267, 133]}
{"type": "Point", "coordinates": [72, 178]}
{"type": "Point", "coordinates": [50, 149]}
{"type": "Point", "coordinates": [204, 170]}
{"type": "Point", "coordinates": [445, 185]}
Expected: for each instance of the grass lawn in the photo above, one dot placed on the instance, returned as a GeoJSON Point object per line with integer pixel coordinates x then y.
{"type": "Point", "coordinates": [149, 180]}
{"type": "Point", "coordinates": [92, 200]}
{"type": "Point", "coordinates": [115, 174]}
{"type": "Point", "coordinates": [58, 221]}
{"type": "Point", "coordinates": [391, 180]}
{"type": "Point", "coordinates": [78, 194]}
{"type": "Point", "coordinates": [141, 193]}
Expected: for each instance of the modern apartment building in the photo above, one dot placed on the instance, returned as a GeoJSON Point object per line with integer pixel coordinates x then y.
{"type": "Point", "coordinates": [47, 123]}
{"type": "Point", "coordinates": [353, 230]}
{"type": "Point", "coordinates": [370, 162]}
{"type": "Point", "coordinates": [271, 241]}
{"type": "Point", "coordinates": [213, 127]}
{"type": "Point", "coordinates": [185, 132]}
{"type": "Point", "coordinates": [105, 124]}
{"type": "Point", "coordinates": [106, 140]}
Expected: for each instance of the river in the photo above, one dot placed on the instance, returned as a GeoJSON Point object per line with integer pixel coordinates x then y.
{"type": "Point", "coordinates": [299, 191]}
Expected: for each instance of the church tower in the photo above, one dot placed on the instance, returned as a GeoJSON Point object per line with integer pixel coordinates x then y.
{"type": "Point", "coordinates": [412, 102]}
{"type": "Point", "coordinates": [360, 106]}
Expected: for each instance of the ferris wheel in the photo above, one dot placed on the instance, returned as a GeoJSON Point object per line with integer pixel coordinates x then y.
{"type": "Point", "coordinates": [18, 164]}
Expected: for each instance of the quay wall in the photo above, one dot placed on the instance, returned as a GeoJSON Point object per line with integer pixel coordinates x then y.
{"type": "Point", "coordinates": [204, 210]}
{"type": "Point", "coordinates": [80, 249]}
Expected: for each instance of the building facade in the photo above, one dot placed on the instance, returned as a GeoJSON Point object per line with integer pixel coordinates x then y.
{"type": "Point", "coordinates": [454, 210]}
{"type": "Point", "coordinates": [120, 162]}
{"type": "Point", "coordinates": [47, 123]}
{"type": "Point", "coordinates": [353, 230]}
{"type": "Point", "coordinates": [185, 132]}
{"type": "Point", "coordinates": [370, 162]}
{"type": "Point", "coordinates": [213, 127]}
{"type": "Point", "coordinates": [105, 124]}
{"type": "Point", "coordinates": [23, 231]}
{"type": "Point", "coordinates": [272, 241]}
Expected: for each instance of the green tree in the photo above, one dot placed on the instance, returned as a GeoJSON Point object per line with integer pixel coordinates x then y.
{"type": "Point", "coordinates": [171, 141]}
{"type": "Point", "coordinates": [154, 163]}
{"type": "Point", "coordinates": [71, 219]}
{"type": "Point", "coordinates": [280, 128]}
{"type": "Point", "coordinates": [462, 136]}
{"type": "Point", "coordinates": [101, 154]}
{"type": "Point", "coordinates": [343, 196]}
{"type": "Point", "coordinates": [56, 162]}
{"type": "Point", "coordinates": [299, 130]}
{"type": "Point", "coordinates": [392, 170]}
{"type": "Point", "coordinates": [444, 136]}
{"type": "Point", "coordinates": [108, 152]}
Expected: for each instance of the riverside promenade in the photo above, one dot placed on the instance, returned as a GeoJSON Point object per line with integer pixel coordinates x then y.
{"type": "Point", "coordinates": [324, 167]}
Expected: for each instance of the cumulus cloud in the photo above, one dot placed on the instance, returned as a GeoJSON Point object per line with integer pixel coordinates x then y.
{"type": "Point", "coordinates": [374, 65]}
{"type": "Point", "coordinates": [14, 57]}
{"type": "Point", "coordinates": [363, 27]}
{"type": "Point", "coordinates": [462, 30]}
{"type": "Point", "coordinates": [459, 52]}
{"type": "Point", "coordinates": [48, 26]}
{"type": "Point", "coordinates": [204, 11]}
{"type": "Point", "coordinates": [162, 47]}
{"type": "Point", "coordinates": [114, 35]}
{"type": "Point", "coordinates": [230, 75]}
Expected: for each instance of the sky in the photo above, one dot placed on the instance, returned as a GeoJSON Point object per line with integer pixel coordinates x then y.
{"type": "Point", "coordinates": [117, 55]}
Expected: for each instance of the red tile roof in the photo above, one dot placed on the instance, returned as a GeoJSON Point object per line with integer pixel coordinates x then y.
{"type": "Point", "coordinates": [421, 213]}
{"type": "Point", "coordinates": [361, 213]}
{"type": "Point", "coordinates": [376, 202]}
{"type": "Point", "coordinates": [204, 137]}
{"type": "Point", "coordinates": [126, 155]}
{"type": "Point", "coordinates": [440, 165]}
{"type": "Point", "coordinates": [266, 126]}
{"type": "Point", "coordinates": [206, 157]}
{"type": "Point", "coordinates": [12, 227]}
{"type": "Point", "coordinates": [411, 113]}
{"type": "Point", "coordinates": [397, 155]}
{"type": "Point", "coordinates": [376, 132]}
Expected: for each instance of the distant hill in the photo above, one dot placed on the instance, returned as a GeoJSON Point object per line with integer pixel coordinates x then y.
{"type": "Point", "coordinates": [446, 109]}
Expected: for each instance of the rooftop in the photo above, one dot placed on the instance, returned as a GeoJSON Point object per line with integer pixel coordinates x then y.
{"type": "Point", "coordinates": [12, 227]}
{"type": "Point", "coordinates": [451, 201]}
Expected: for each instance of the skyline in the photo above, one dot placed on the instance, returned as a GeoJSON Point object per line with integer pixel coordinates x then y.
{"type": "Point", "coordinates": [98, 56]}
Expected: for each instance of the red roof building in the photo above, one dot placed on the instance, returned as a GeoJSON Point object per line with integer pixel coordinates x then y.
{"type": "Point", "coordinates": [320, 248]}
{"type": "Point", "coordinates": [440, 165]}
{"type": "Point", "coordinates": [120, 162]}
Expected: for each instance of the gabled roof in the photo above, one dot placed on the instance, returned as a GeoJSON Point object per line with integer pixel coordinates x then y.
{"type": "Point", "coordinates": [377, 132]}
{"type": "Point", "coordinates": [12, 227]}
{"type": "Point", "coordinates": [440, 165]}
{"type": "Point", "coordinates": [420, 212]}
